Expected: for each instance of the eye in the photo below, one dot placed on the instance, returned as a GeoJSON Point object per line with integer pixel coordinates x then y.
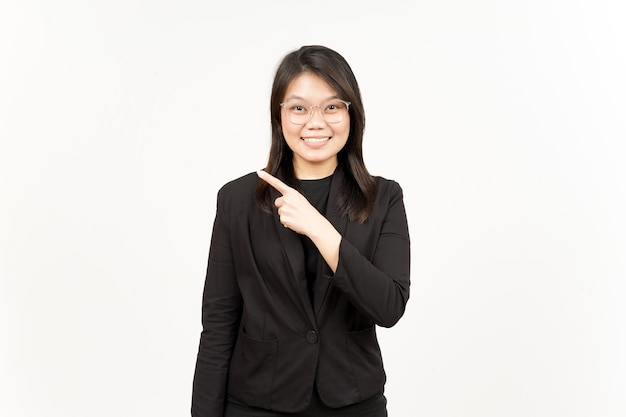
{"type": "Point", "coordinates": [334, 107]}
{"type": "Point", "coordinates": [296, 108]}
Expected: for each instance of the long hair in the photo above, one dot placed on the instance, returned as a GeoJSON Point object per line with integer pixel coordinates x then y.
{"type": "Point", "coordinates": [357, 197]}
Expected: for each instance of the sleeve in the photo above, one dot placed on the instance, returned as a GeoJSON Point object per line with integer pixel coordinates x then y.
{"type": "Point", "coordinates": [379, 287]}
{"type": "Point", "coordinates": [221, 312]}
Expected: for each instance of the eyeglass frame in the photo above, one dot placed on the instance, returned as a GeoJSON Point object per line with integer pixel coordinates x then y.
{"type": "Point", "coordinates": [347, 103]}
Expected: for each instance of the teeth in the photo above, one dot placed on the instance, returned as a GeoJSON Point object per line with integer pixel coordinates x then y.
{"type": "Point", "coordinates": [315, 139]}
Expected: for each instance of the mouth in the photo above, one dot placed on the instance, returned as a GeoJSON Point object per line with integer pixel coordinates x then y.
{"type": "Point", "coordinates": [317, 140]}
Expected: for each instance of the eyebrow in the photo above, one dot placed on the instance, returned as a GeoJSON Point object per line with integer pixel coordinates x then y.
{"type": "Point", "coordinates": [295, 97]}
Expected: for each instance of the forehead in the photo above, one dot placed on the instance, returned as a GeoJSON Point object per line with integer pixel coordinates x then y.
{"type": "Point", "coordinates": [310, 87]}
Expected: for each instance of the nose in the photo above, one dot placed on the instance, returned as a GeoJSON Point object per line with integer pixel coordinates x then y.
{"type": "Point", "coordinates": [316, 116]}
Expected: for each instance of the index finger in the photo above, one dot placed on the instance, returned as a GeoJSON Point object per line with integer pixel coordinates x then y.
{"type": "Point", "coordinates": [280, 186]}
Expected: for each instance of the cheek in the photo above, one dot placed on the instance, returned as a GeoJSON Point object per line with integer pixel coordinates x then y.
{"type": "Point", "coordinates": [291, 132]}
{"type": "Point", "coordinates": [344, 131]}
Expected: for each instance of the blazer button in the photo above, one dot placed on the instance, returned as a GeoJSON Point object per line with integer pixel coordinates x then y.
{"type": "Point", "coordinates": [311, 337]}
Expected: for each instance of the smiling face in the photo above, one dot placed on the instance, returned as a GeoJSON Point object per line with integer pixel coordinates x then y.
{"type": "Point", "coordinates": [316, 143]}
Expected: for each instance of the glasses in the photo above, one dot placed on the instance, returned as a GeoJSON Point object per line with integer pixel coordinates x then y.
{"type": "Point", "coordinates": [299, 112]}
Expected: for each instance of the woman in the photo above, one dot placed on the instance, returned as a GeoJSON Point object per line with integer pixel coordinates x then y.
{"type": "Point", "coordinates": [307, 257]}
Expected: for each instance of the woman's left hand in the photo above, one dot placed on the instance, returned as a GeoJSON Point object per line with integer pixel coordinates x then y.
{"type": "Point", "coordinates": [297, 214]}
{"type": "Point", "coordinates": [294, 210]}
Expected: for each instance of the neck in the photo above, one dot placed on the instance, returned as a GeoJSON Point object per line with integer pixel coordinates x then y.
{"type": "Point", "coordinates": [314, 171]}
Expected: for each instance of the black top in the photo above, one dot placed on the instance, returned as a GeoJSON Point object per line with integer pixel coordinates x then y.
{"type": "Point", "coordinates": [316, 191]}
{"type": "Point", "coordinates": [253, 343]}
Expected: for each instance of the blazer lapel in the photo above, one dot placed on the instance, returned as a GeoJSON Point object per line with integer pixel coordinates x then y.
{"type": "Point", "coordinates": [322, 283]}
{"type": "Point", "coordinates": [292, 247]}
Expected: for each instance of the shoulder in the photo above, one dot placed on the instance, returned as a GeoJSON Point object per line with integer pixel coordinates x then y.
{"type": "Point", "coordinates": [388, 188]}
{"type": "Point", "coordinates": [389, 200]}
{"type": "Point", "coordinates": [244, 182]}
{"type": "Point", "coordinates": [238, 192]}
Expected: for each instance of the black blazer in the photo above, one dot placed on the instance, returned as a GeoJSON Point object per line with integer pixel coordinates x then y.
{"type": "Point", "coordinates": [262, 341]}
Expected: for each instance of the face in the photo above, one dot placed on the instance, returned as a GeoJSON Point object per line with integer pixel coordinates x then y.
{"type": "Point", "coordinates": [316, 143]}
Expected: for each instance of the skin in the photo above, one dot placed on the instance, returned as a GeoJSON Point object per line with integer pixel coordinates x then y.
{"type": "Point", "coordinates": [297, 214]}
{"type": "Point", "coordinates": [314, 160]}
{"type": "Point", "coordinates": [311, 160]}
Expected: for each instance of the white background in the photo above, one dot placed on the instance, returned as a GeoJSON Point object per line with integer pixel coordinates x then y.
{"type": "Point", "coordinates": [504, 122]}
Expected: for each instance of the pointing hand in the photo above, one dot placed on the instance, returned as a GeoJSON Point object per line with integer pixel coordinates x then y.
{"type": "Point", "coordinates": [294, 210]}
